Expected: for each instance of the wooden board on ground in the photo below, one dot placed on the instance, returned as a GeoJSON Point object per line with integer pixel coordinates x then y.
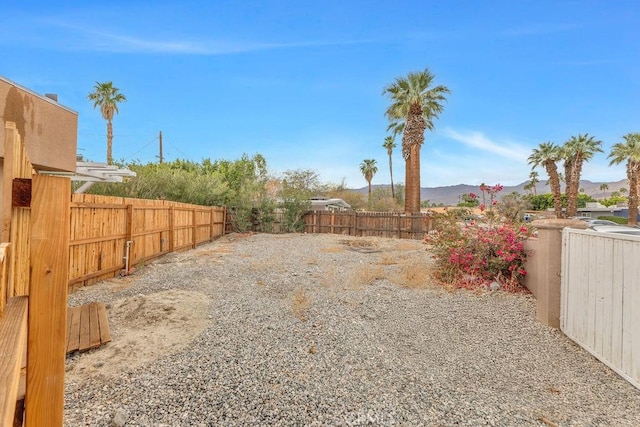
{"type": "Point", "coordinates": [87, 327]}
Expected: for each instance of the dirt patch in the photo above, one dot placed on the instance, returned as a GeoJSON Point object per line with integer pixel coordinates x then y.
{"type": "Point", "coordinates": [144, 328]}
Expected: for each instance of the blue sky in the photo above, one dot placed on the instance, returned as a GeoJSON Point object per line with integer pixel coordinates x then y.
{"type": "Point", "coordinates": [301, 82]}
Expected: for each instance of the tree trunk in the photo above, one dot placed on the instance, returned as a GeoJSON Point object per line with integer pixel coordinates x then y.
{"type": "Point", "coordinates": [412, 139]}
{"type": "Point", "coordinates": [393, 192]}
{"type": "Point", "coordinates": [575, 187]}
{"type": "Point", "coordinates": [369, 197]}
{"type": "Point", "coordinates": [554, 183]}
{"type": "Point", "coordinates": [414, 204]}
{"type": "Point", "coordinates": [568, 186]}
{"type": "Point", "coordinates": [632, 174]}
{"type": "Point", "coordinates": [109, 142]}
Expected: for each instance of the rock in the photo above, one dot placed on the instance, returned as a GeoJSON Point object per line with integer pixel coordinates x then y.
{"type": "Point", "coordinates": [120, 418]}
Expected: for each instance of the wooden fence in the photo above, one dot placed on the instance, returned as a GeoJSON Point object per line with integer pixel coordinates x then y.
{"type": "Point", "coordinates": [33, 283]}
{"type": "Point", "coordinates": [379, 224]}
{"type": "Point", "coordinates": [600, 296]}
{"type": "Point", "coordinates": [112, 234]}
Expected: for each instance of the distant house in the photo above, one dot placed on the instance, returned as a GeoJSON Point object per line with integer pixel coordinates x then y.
{"type": "Point", "coordinates": [595, 209]}
{"type": "Point", "coordinates": [326, 204]}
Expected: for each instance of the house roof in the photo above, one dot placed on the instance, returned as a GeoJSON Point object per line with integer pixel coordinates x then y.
{"type": "Point", "coordinates": [338, 203]}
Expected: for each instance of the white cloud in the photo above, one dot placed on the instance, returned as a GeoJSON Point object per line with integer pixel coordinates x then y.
{"type": "Point", "coordinates": [477, 140]}
{"type": "Point", "coordinates": [78, 37]}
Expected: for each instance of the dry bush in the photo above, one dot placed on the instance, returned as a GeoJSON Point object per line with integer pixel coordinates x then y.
{"type": "Point", "coordinates": [359, 243]}
{"type": "Point", "coordinates": [367, 275]}
{"type": "Point", "coordinates": [404, 245]}
{"type": "Point", "coordinates": [414, 274]}
{"type": "Point", "coordinates": [333, 249]}
{"type": "Point", "coordinates": [300, 304]}
{"type": "Point", "coordinates": [388, 260]}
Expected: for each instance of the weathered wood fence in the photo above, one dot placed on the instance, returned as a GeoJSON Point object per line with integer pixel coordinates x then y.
{"type": "Point", "coordinates": [112, 234]}
{"type": "Point", "coordinates": [600, 296]}
{"type": "Point", "coordinates": [379, 224]}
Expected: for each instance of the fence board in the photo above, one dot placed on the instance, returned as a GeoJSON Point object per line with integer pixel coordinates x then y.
{"type": "Point", "coordinates": [380, 224]}
{"type": "Point", "coordinates": [101, 226]}
{"type": "Point", "coordinates": [46, 342]}
{"type": "Point", "coordinates": [600, 296]}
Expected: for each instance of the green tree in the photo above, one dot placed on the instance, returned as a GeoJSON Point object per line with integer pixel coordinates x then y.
{"type": "Point", "coordinates": [415, 103]}
{"type": "Point", "coordinates": [369, 169]}
{"type": "Point", "coordinates": [533, 181]}
{"type": "Point", "coordinates": [297, 189]}
{"type": "Point", "coordinates": [389, 145]}
{"type": "Point", "coordinates": [107, 97]}
{"type": "Point", "coordinates": [575, 152]}
{"type": "Point", "coordinates": [546, 155]}
{"type": "Point", "coordinates": [604, 187]}
{"type": "Point", "coordinates": [629, 152]}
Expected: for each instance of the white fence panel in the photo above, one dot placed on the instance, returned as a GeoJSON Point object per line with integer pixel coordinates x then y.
{"type": "Point", "coordinates": [600, 306]}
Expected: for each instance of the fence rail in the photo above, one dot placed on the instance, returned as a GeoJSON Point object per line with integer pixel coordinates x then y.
{"type": "Point", "coordinates": [110, 234]}
{"type": "Point", "coordinates": [600, 297]}
{"type": "Point", "coordinates": [379, 224]}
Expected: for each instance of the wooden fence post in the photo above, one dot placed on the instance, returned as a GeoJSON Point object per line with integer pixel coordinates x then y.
{"type": "Point", "coordinates": [211, 217]}
{"type": "Point", "coordinates": [46, 342]}
{"type": "Point", "coordinates": [194, 219]}
{"type": "Point", "coordinates": [172, 228]}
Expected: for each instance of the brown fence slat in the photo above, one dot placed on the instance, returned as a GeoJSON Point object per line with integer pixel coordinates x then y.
{"type": "Point", "coordinates": [380, 224]}
{"type": "Point", "coordinates": [101, 226]}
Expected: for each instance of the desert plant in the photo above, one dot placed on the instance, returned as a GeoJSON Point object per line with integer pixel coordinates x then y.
{"type": "Point", "coordinates": [474, 256]}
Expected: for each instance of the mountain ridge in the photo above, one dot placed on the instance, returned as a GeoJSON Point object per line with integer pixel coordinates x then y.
{"type": "Point", "coordinates": [449, 195]}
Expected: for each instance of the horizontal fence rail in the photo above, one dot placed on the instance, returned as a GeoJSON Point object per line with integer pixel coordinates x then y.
{"type": "Point", "coordinates": [378, 224]}
{"type": "Point", "coordinates": [600, 296]}
{"type": "Point", "coordinates": [110, 234]}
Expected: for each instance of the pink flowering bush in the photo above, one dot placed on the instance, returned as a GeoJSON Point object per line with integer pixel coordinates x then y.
{"type": "Point", "coordinates": [473, 256]}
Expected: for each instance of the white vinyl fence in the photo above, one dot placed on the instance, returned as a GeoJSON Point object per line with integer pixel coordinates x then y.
{"type": "Point", "coordinates": [600, 297]}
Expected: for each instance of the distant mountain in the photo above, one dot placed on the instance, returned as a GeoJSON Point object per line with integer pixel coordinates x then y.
{"type": "Point", "coordinates": [450, 195]}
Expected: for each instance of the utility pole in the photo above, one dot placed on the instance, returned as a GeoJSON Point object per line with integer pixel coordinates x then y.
{"type": "Point", "coordinates": [160, 139]}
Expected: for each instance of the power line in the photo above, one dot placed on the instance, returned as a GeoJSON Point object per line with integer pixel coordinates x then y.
{"type": "Point", "coordinates": [155, 138]}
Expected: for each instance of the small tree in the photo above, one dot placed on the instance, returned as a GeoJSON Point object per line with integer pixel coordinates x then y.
{"type": "Point", "coordinates": [369, 169]}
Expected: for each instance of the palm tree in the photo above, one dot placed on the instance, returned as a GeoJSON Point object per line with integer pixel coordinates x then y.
{"type": "Point", "coordinates": [390, 144]}
{"type": "Point", "coordinates": [546, 155]}
{"type": "Point", "coordinates": [369, 169]}
{"type": "Point", "coordinates": [629, 151]}
{"type": "Point", "coordinates": [107, 97]}
{"type": "Point", "coordinates": [604, 187]}
{"type": "Point", "coordinates": [415, 102]}
{"type": "Point", "coordinates": [576, 151]}
{"type": "Point", "coordinates": [533, 181]}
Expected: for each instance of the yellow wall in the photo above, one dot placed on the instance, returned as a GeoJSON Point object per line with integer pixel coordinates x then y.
{"type": "Point", "coordinates": [48, 129]}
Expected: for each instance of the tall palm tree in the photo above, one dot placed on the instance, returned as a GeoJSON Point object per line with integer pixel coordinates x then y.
{"type": "Point", "coordinates": [576, 151]}
{"type": "Point", "coordinates": [390, 144]}
{"type": "Point", "coordinates": [533, 180]}
{"type": "Point", "coordinates": [369, 168]}
{"type": "Point", "coordinates": [415, 102]}
{"type": "Point", "coordinates": [629, 151]}
{"type": "Point", "coordinates": [604, 187]}
{"type": "Point", "coordinates": [546, 155]}
{"type": "Point", "coordinates": [107, 97]}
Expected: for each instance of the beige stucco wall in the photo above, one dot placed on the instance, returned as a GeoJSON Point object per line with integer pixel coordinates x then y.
{"type": "Point", "coordinates": [48, 129]}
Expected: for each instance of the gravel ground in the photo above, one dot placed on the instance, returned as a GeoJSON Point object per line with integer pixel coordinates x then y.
{"type": "Point", "coordinates": [328, 330]}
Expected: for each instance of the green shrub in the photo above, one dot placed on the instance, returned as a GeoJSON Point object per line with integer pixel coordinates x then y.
{"type": "Point", "coordinates": [616, 219]}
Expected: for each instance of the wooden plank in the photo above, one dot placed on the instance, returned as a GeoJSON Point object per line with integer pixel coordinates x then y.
{"type": "Point", "coordinates": [46, 344]}
{"type": "Point", "coordinates": [85, 329]}
{"type": "Point", "coordinates": [94, 326]}
{"type": "Point", "coordinates": [13, 338]}
{"type": "Point", "coordinates": [73, 335]}
{"type": "Point", "coordinates": [105, 334]}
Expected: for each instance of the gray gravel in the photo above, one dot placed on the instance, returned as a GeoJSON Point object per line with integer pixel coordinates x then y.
{"type": "Point", "coordinates": [359, 354]}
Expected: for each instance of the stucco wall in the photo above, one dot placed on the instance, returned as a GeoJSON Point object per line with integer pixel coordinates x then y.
{"type": "Point", "coordinates": [49, 130]}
